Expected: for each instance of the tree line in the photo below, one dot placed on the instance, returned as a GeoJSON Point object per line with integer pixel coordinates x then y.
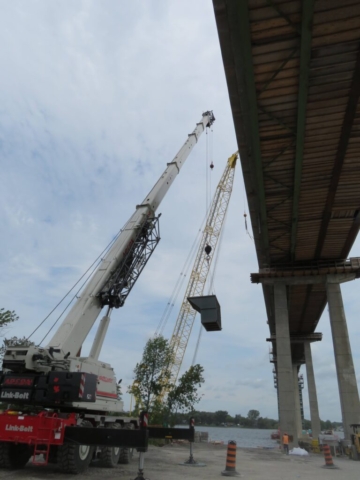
{"type": "Point", "coordinates": [251, 420]}
{"type": "Point", "coordinates": [223, 418]}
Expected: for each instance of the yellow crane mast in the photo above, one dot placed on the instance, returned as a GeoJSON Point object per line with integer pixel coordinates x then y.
{"type": "Point", "coordinates": [201, 268]}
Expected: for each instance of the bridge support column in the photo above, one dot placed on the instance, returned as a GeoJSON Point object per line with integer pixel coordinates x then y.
{"type": "Point", "coordinates": [297, 401]}
{"type": "Point", "coordinates": [314, 407]}
{"type": "Point", "coordinates": [349, 395]}
{"type": "Point", "coordinates": [285, 375]}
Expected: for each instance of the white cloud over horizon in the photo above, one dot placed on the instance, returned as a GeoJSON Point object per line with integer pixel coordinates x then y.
{"type": "Point", "coordinates": [96, 98]}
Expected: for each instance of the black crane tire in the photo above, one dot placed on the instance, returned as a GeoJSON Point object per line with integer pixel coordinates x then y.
{"type": "Point", "coordinates": [14, 456]}
{"type": "Point", "coordinates": [109, 456]}
{"type": "Point", "coordinates": [126, 454]}
{"type": "Point", "coordinates": [75, 459]}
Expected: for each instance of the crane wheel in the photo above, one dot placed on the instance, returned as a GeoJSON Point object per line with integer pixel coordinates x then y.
{"type": "Point", "coordinates": [75, 458]}
{"type": "Point", "coordinates": [126, 454]}
{"type": "Point", "coordinates": [13, 455]}
{"type": "Point", "coordinates": [109, 456]}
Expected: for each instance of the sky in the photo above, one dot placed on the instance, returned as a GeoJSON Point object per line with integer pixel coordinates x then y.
{"type": "Point", "coordinates": [95, 99]}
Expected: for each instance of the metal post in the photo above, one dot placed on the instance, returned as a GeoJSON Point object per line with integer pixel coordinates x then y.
{"type": "Point", "coordinates": [143, 422]}
{"type": "Point", "coordinates": [191, 461]}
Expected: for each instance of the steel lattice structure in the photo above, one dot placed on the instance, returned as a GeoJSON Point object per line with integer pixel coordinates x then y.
{"type": "Point", "coordinates": [201, 268]}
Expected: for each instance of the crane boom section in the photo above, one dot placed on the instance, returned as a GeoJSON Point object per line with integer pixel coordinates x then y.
{"type": "Point", "coordinates": [201, 268]}
{"type": "Point", "coordinates": [126, 254]}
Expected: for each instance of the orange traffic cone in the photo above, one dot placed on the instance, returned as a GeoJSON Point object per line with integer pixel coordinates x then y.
{"type": "Point", "coordinates": [230, 469]}
{"type": "Point", "coordinates": [328, 457]}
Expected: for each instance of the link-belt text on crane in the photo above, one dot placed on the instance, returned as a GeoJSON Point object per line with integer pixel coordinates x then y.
{"type": "Point", "coordinates": [15, 395]}
{"type": "Point", "coordinates": [18, 428]}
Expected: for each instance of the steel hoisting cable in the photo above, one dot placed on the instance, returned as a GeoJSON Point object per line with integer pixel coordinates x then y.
{"type": "Point", "coordinates": [207, 173]}
{"type": "Point", "coordinates": [211, 286]}
{"type": "Point", "coordinates": [211, 164]}
{"type": "Point", "coordinates": [217, 254]}
{"type": "Point", "coordinates": [59, 303]}
{"type": "Point", "coordinates": [92, 268]}
{"type": "Point", "coordinates": [208, 196]}
{"type": "Point", "coordinates": [68, 305]}
{"type": "Point", "coordinates": [166, 314]}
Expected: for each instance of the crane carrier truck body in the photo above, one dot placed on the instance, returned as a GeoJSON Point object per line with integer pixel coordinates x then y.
{"type": "Point", "coordinates": [52, 390]}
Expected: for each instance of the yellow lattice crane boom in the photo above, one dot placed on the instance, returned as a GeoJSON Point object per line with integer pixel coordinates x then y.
{"type": "Point", "coordinates": [201, 268]}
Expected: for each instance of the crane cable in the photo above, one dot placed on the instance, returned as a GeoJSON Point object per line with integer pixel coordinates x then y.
{"type": "Point", "coordinates": [209, 165]}
{"type": "Point", "coordinates": [184, 271]}
{"type": "Point", "coordinates": [212, 270]}
{"type": "Point", "coordinates": [211, 289]}
{"type": "Point", "coordinates": [86, 274]}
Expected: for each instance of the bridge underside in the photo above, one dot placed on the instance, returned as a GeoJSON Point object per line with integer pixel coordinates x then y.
{"type": "Point", "coordinates": [293, 75]}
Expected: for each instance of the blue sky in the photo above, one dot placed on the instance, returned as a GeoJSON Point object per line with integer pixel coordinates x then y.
{"type": "Point", "coordinates": [96, 98]}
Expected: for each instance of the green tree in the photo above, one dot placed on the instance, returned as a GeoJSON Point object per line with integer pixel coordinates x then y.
{"type": "Point", "coordinates": [7, 317]}
{"type": "Point", "coordinates": [152, 373]}
{"type": "Point", "coordinates": [326, 425]}
{"type": "Point", "coordinates": [220, 416]}
{"type": "Point", "coordinates": [253, 416]}
{"type": "Point", "coordinates": [239, 419]}
{"type": "Point", "coordinates": [183, 396]}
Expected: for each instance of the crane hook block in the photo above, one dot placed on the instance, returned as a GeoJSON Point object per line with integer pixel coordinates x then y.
{"type": "Point", "coordinates": [208, 249]}
{"type": "Point", "coordinates": [211, 165]}
{"type": "Point", "coordinates": [209, 308]}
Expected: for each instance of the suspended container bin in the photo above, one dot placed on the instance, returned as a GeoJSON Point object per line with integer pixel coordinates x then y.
{"type": "Point", "coordinates": [209, 308]}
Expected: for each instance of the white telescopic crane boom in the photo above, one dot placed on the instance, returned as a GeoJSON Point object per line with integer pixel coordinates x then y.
{"type": "Point", "coordinates": [122, 265]}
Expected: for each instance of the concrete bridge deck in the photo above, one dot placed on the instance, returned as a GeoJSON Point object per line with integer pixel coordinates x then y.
{"type": "Point", "coordinates": [293, 75]}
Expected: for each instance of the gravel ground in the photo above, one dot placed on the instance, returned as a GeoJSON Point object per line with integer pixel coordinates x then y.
{"type": "Point", "coordinates": [163, 464]}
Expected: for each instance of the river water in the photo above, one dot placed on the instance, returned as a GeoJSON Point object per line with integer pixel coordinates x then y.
{"type": "Point", "coordinates": [244, 437]}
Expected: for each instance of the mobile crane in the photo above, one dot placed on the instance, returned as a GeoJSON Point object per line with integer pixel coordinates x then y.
{"type": "Point", "coordinates": [52, 388]}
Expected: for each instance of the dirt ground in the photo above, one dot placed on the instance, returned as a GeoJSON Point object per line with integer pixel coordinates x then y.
{"type": "Point", "coordinates": [164, 463]}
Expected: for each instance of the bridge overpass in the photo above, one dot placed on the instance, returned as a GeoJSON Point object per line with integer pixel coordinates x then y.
{"type": "Point", "coordinates": [293, 74]}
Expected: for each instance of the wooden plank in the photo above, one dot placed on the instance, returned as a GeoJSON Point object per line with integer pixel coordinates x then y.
{"type": "Point", "coordinates": [341, 37]}
{"type": "Point", "coordinates": [263, 13]}
{"type": "Point", "coordinates": [335, 27]}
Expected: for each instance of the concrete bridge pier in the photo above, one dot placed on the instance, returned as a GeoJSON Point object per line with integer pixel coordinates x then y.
{"type": "Point", "coordinates": [313, 402]}
{"type": "Point", "coordinates": [348, 390]}
{"type": "Point", "coordinates": [298, 419]}
{"type": "Point", "coordinates": [285, 370]}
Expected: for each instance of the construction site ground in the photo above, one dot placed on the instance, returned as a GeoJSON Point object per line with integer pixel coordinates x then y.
{"type": "Point", "coordinates": [164, 463]}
